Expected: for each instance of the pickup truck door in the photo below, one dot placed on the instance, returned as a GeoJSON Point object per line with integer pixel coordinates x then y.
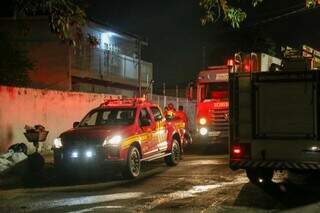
{"type": "Point", "coordinates": [148, 141]}
{"type": "Point", "coordinates": [160, 133]}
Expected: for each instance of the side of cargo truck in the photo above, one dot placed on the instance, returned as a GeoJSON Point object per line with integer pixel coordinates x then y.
{"type": "Point", "coordinates": [274, 122]}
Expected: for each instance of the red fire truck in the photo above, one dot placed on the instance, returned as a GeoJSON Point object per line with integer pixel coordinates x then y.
{"type": "Point", "coordinates": [212, 103]}
{"type": "Point", "coordinates": [274, 118]}
{"type": "Point", "coordinates": [212, 93]}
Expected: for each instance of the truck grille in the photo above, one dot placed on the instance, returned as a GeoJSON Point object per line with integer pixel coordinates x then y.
{"type": "Point", "coordinates": [220, 122]}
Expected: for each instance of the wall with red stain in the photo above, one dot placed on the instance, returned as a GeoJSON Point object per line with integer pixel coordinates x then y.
{"type": "Point", "coordinates": [56, 110]}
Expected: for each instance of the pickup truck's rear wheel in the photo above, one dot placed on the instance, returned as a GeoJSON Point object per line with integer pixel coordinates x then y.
{"type": "Point", "coordinates": [133, 165]}
{"type": "Point", "coordinates": [173, 159]}
{"type": "Point", "coordinates": [260, 176]}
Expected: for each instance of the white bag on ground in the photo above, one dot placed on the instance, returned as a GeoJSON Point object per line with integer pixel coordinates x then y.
{"type": "Point", "coordinates": [3, 168]}
{"type": "Point", "coordinates": [18, 157]}
{"type": "Point", "coordinates": [7, 155]}
{"type": "Point", "coordinates": [5, 164]}
{"type": "Point", "coordinates": [11, 158]}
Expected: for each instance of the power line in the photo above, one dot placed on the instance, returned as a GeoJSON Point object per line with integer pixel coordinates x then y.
{"type": "Point", "coordinates": [291, 13]}
{"type": "Point", "coordinates": [281, 10]}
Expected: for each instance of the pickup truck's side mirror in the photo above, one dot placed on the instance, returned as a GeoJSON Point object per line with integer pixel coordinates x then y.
{"type": "Point", "coordinates": [145, 122]}
{"type": "Point", "coordinates": [75, 124]}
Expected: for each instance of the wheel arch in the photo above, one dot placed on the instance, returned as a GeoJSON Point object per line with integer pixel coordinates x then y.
{"type": "Point", "coordinates": [138, 146]}
{"type": "Point", "coordinates": [176, 137]}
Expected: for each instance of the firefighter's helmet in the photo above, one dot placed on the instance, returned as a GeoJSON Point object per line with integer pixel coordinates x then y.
{"type": "Point", "coordinates": [170, 106]}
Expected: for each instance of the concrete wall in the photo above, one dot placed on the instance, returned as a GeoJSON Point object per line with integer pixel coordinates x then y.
{"type": "Point", "coordinates": [56, 110]}
{"type": "Point", "coordinates": [94, 88]}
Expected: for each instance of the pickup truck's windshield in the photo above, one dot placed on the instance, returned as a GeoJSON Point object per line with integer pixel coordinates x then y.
{"type": "Point", "coordinates": [109, 116]}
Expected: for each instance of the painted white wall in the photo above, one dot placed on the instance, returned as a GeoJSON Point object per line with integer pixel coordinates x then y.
{"type": "Point", "coordinates": [55, 110]}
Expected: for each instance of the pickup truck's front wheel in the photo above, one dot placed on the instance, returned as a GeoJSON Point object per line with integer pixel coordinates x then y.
{"type": "Point", "coordinates": [133, 165]}
{"type": "Point", "coordinates": [173, 159]}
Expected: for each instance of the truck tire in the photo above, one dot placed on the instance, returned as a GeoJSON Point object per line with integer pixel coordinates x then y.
{"type": "Point", "coordinates": [173, 159]}
{"type": "Point", "coordinates": [132, 168]}
{"type": "Point", "coordinates": [260, 176]}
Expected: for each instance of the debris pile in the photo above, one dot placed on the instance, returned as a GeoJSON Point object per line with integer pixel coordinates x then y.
{"type": "Point", "coordinates": [15, 154]}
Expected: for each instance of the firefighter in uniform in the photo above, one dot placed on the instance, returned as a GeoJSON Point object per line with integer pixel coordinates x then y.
{"type": "Point", "coordinates": [182, 115]}
{"type": "Point", "coordinates": [170, 111]}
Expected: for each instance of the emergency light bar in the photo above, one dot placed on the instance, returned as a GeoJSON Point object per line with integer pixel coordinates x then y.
{"type": "Point", "coordinates": [123, 102]}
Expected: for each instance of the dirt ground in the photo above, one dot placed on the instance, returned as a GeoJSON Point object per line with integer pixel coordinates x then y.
{"type": "Point", "coordinates": [202, 182]}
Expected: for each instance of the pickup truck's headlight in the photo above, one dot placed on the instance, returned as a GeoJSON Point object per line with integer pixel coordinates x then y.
{"type": "Point", "coordinates": [115, 140]}
{"type": "Point", "coordinates": [57, 143]}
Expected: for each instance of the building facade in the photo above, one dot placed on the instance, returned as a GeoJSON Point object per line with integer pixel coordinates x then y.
{"type": "Point", "coordinates": [110, 67]}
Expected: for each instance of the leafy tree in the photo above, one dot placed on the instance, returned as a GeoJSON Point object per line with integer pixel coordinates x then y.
{"type": "Point", "coordinates": [312, 3]}
{"type": "Point", "coordinates": [216, 9]}
{"type": "Point", "coordinates": [14, 63]}
{"type": "Point", "coordinates": [65, 17]}
{"type": "Point", "coordinates": [256, 40]}
{"type": "Point", "coordinates": [227, 9]}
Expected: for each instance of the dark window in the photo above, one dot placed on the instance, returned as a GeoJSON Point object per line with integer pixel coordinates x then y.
{"type": "Point", "coordinates": [144, 114]}
{"type": "Point", "coordinates": [156, 113]}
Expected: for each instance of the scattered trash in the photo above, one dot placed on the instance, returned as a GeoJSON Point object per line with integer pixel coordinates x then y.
{"type": "Point", "coordinates": [17, 158]}
{"type": "Point", "coordinates": [4, 164]}
{"type": "Point", "coordinates": [19, 147]}
{"type": "Point", "coordinates": [10, 159]}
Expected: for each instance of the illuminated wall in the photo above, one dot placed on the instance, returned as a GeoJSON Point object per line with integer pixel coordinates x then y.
{"type": "Point", "coordinates": [56, 110]}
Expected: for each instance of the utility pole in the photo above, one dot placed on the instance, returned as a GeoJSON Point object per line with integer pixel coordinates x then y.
{"type": "Point", "coordinates": [139, 42]}
{"type": "Point", "coordinates": [177, 96]}
{"type": "Point", "coordinates": [164, 95]}
{"type": "Point", "coordinates": [139, 68]}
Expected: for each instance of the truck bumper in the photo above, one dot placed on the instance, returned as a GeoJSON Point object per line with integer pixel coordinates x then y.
{"type": "Point", "coordinates": [97, 163]}
{"type": "Point", "coordinates": [276, 165]}
{"type": "Point", "coordinates": [210, 139]}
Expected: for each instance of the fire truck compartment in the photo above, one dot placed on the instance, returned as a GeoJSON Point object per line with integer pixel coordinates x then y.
{"type": "Point", "coordinates": [276, 114]}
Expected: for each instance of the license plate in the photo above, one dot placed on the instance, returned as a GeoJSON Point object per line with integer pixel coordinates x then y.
{"type": "Point", "coordinates": [214, 133]}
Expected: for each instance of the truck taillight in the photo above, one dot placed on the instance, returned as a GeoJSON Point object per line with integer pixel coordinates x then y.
{"type": "Point", "coordinates": [247, 68]}
{"type": "Point", "coordinates": [230, 62]}
{"type": "Point", "coordinates": [236, 151]}
{"type": "Point", "coordinates": [241, 150]}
